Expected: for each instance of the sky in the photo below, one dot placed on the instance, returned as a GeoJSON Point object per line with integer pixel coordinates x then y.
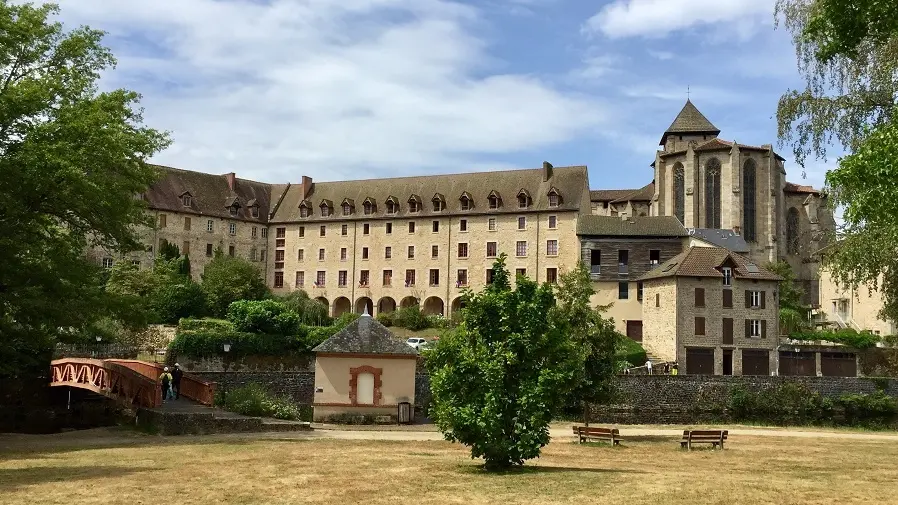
{"type": "Point", "coordinates": [354, 89]}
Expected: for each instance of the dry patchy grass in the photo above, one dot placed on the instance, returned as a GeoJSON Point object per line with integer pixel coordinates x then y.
{"type": "Point", "coordinates": [133, 469]}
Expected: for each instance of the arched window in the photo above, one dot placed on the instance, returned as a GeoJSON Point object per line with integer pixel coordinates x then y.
{"type": "Point", "coordinates": [792, 231]}
{"type": "Point", "coordinates": [679, 192]}
{"type": "Point", "coordinates": [749, 197]}
{"type": "Point", "coordinates": [712, 194]}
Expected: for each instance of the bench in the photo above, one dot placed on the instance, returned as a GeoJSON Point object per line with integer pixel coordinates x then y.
{"type": "Point", "coordinates": [589, 433]}
{"type": "Point", "coordinates": [713, 437]}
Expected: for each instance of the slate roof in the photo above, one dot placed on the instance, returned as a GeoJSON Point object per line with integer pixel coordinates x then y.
{"type": "Point", "coordinates": [210, 194]}
{"type": "Point", "coordinates": [690, 120]}
{"type": "Point", "coordinates": [728, 239]}
{"type": "Point", "coordinates": [705, 261]}
{"type": "Point", "coordinates": [365, 336]}
{"type": "Point", "coordinates": [717, 144]}
{"type": "Point", "coordinates": [571, 182]}
{"type": "Point", "coordinates": [650, 226]}
{"type": "Point", "coordinates": [643, 194]}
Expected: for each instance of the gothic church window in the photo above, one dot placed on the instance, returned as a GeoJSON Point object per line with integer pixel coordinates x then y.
{"type": "Point", "coordinates": [712, 194]}
{"type": "Point", "coordinates": [749, 197]}
{"type": "Point", "coordinates": [792, 231]}
{"type": "Point", "coordinates": [679, 192]}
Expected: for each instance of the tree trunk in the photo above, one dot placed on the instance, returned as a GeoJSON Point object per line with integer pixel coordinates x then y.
{"type": "Point", "coordinates": [586, 413]}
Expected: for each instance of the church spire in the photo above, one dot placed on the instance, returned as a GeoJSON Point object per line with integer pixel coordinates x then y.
{"type": "Point", "coordinates": [690, 121]}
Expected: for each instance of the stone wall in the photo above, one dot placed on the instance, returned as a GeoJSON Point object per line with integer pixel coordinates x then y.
{"type": "Point", "coordinates": [304, 363]}
{"type": "Point", "coordinates": [299, 386]}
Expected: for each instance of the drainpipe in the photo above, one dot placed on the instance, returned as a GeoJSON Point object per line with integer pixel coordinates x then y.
{"type": "Point", "coordinates": [536, 276]}
{"type": "Point", "coordinates": [354, 232]}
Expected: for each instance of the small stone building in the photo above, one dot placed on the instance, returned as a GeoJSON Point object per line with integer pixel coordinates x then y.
{"type": "Point", "coordinates": [363, 370]}
{"type": "Point", "coordinates": [713, 312]}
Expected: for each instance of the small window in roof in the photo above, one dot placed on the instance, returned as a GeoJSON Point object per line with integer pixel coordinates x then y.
{"type": "Point", "coordinates": [439, 203]}
{"type": "Point", "coordinates": [495, 201]}
{"type": "Point", "coordinates": [524, 200]}
{"type": "Point", "coordinates": [369, 207]}
{"type": "Point", "coordinates": [554, 198]}
{"type": "Point", "coordinates": [392, 205]}
{"type": "Point", "coordinates": [325, 209]}
{"type": "Point", "coordinates": [467, 203]}
{"type": "Point", "coordinates": [233, 210]}
{"type": "Point", "coordinates": [752, 268]}
{"type": "Point", "coordinates": [254, 211]}
{"type": "Point", "coordinates": [186, 199]}
{"type": "Point", "coordinates": [305, 209]}
{"type": "Point", "coordinates": [414, 203]}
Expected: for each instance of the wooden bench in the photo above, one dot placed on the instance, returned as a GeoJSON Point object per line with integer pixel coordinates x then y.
{"type": "Point", "coordinates": [714, 437]}
{"type": "Point", "coordinates": [589, 433]}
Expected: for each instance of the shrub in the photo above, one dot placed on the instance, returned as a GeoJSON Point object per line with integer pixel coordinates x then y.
{"type": "Point", "coordinates": [787, 404]}
{"type": "Point", "coordinates": [876, 410]}
{"type": "Point", "coordinates": [385, 318]}
{"type": "Point", "coordinates": [845, 336]}
{"type": "Point", "coordinates": [202, 342]}
{"type": "Point", "coordinates": [311, 312]}
{"type": "Point", "coordinates": [227, 279]}
{"type": "Point", "coordinates": [172, 301]}
{"type": "Point", "coordinates": [263, 316]}
{"type": "Point", "coordinates": [411, 318]}
{"type": "Point", "coordinates": [630, 351]}
{"type": "Point", "coordinates": [254, 400]}
{"type": "Point", "coordinates": [437, 321]}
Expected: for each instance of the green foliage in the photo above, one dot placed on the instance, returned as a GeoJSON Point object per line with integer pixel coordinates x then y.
{"type": "Point", "coordinates": [842, 27]}
{"type": "Point", "coordinates": [176, 300]}
{"type": "Point", "coordinates": [385, 318]}
{"type": "Point", "coordinates": [411, 318]}
{"type": "Point", "coordinates": [254, 400]}
{"type": "Point", "coordinates": [876, 410]}
{"type": "Point", "coordinates": [310, 311]}
{"type": "Point", "coordinates": [628, 350]}
{"type": "Point", "coordinates": [263, 316]}
{"type": "Point", "coordinates": [792, 313]}
{"type": "Point", "coordinates": [168, 251]}
{"type": "Point", "coordinates": [71, 160]}
{"type": "Point", "coordinates": [498, 379]}
{"type": "Point", "coordinates": [205, 342]}
{"type": "Point", "coordinates": [845, 336]}
{"type": "Point", "coordinates": [161, 295]}
{"type": "Point", "coordinates": [228, 279]}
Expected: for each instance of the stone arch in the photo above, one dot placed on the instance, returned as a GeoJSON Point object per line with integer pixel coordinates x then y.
{"type": "Point", "coordinates": [712, 194]}
{"type": "Point", "coordinates": [386, 305]}
{"type": "Point", "coordinates": [324, 301]}
{"type": "Point", "coordinates": [679, 192]}
{"type": "Point", "coordinates": [434, 305]}
{"type": "Point", "coordinates": [749, 201]}
{"type": "Point", "coordinates": [364, 303]}
{"type": "Point", "coordinates": [409, 301]}
{"type": "Point", "coordinates": [457, 305]}
{"type": "Point", "coordinates": [342, 305]}
{"type": "Point", "coordinates": [792, 229]}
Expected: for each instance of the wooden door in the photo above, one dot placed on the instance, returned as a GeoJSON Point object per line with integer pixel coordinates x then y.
{"type": "Point", "coordinates": [634, 330]}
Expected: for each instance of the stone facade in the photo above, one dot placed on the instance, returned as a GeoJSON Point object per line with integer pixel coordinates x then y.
{"type": "Point", "coordinates": [857, 309]}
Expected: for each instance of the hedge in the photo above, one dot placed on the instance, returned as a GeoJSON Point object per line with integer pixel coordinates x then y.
{"type": "Point", "coordinates": [846, 336]}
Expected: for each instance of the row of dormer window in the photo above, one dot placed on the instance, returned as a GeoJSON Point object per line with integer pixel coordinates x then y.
{"type": "Point", "coordinates": [233, 207]}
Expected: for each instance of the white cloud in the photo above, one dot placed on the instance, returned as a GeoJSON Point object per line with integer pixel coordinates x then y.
{"type": "Point", "coordinates": [661, 55]}
{"type": "Point", "coordinates": [350, 89]}
{"type": "Point", "coordinates": [658, 18]}
{"type": "Point", "coordinates": [594, 68]}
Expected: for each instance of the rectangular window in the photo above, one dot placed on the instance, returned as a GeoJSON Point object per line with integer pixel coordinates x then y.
{"type": "Point", "coordinates": [553, 222]}
{"type": "Point", "coordinates": [623, 260]}
{"type": "Point", "coordinates": [279, 279]}
{"type": "Point", "coordinates": [210, 225]}
{"type": "Point", "coordinates": [654, 256]}
{"type": "Point", "coordinates": [463, 249]}
{"type": "Point", "coordinates": [520, 272]}
{"type": "Point", "coordinates": [163, 220]}
{"type": "Point", "coordinates": [491, 249]}
{"type": "Point", "coordinates": [491, 224]}
{"type": "Point", "coordinates": [255, 232]}
{"type": "Point", "coordinates": [489, 276]}
{"type": "Point", "coordinates": [754, 328]}
{"type": "Point", "coordinates": [344, 230]}
{"type": "Point", "coordinates": [639, 291]}
{"type": "Point", "coordinates": [389, 228]}
{"type": "Point", "coordinates": [434, 251]}
{"type": "Point", "coordinates": [657, 300]}
{"type": "Point", "coordinates": [322, 230]}
{"type": "Point", "coordinates": [364, 253]}
{"type": "Point", "coordinates": [231, 251]}
{"type": "Point", "coordinates": [366, 229]}
{"type": "Point", "coordinates": [320, 278]}
{"type": "Point", "coordinates": [388, 277]}
{"type": "Point", "coordinates": [232, 228]}
{"type": "Point", "coordinates": [281, 242]}
{"type": "Point", "coordinates": [341, 279]}
{"type": "Point", "coordinates": [302, 231]}
{"type": "Point", "coordinates": [728, 298]}
{"type": "Point", "coordinates": [727, 276]}
{"type": "Point", "coordinates": [388, 252]}
{"type": "Point", "coordinates": [411, 252]}
{"type": "Point", "coordinates": [551, 248]}
{"type": "Point", "coordinates": [279, 256]}
{"type": "Point", "coordinates": [342, 254]}
{"type": "Point", "coordinates": [752, 299]}
{"type": "Point", "coordinates": [137, 264]}
{"type": "Point", "coordinates": [186, 224]}
{"type": "Point", "coordinates": [522, 223]}
{"type": "Point", "coordinates": [208, 250]}
{"type": "Point", "coordinates": [727, 330]}
{"type": "Point", "coordinates": [300, 279]}
{"type": "Point", "coordinates": [595, 261]}
{"type": "Point", "coordinates": [461, 278]}
{"type": "Point", "coordinates": [411, 227]}
{"type": "Point", "coordinates": [699, 297]}
{"type": "Point", "coordinates": [409, 278]}
{"type": "Point", "coordinates": [262, 255]}
{"type": "Point", "coordinates": [434, 277]}
{"type": "Point", "coordinates": [300, 254]}
{"type": "Point", "coordinates": [699, 325]}
{"type": "Point", "coordinates": [107, 262]}
{"type": "Point", "coordinates": [321, 254]}
{"type": "Point", "coordinates": [264, 232]}
{"type": "Point", "coordinates": [363, 278]}
{"type": "Point", "coordinates": [252, 254]}
{"type": "Point", "coordinates": [435, 226]}
{"type": "Point", "coordinates": [463, 224]}
{"type": "Point", "coordinates": [623, 290]}
{"type": "Point", "coordinates": [520, 248]}
{"type": "Point", "coordinates": [552, 275]}
{"type": "Point", "coordinates": [280, 232]}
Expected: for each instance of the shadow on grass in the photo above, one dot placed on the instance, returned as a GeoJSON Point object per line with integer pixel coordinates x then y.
{"type": "Point", "coordinates": [533, 470]}
{"type": "Point", "coordinates": [14, 478]}
{"type": "Point", "coordinates": [630, 441]}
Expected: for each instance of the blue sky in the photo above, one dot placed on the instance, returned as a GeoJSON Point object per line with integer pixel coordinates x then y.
{"type": "Point", "coordinates": [277, 89]}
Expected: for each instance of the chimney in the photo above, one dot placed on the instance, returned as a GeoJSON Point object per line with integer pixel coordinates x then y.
{"type": "Point", "coordinates": [232, 180]}
{"type": "Point", "coordinates": [306, 186]}
{"type": "Point", "coordinates": [547, 171]}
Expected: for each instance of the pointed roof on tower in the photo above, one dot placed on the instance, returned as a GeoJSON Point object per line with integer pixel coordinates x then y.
{"type": "Point", "coordinates": [690, 120]}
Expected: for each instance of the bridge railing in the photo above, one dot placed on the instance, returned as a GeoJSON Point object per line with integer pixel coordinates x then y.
{"type": "Point", "coordinates": [192, 387]}
{"type": "Point", "coordinates": [107, 378]}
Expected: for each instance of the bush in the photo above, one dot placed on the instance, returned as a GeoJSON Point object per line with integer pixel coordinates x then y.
{"type": "Point", "coordinates": [787, 404]}
{"type": "Point", "coordinates": [630, 351]}
{"type": "Point", "coordinates": [207, 338]}
{"type": "Point", "coordinates": [311, 312]}
{"type": "Point", "coordinates": [254, 400]}
{"type": "Point", "coordinates": [385, 318]}
{"type": "Point", "coordinates": [437, 321]}
{"type": "Point", "coordinates": [263, 316]}
{"type": "Point", "coordinates": [172, 301]}
{"type": "Point", "coordinates": [411, 318]}
{"type": "Point", "coordinates": [877, 410]}
{"type": "Point", "coordinates": [845, 336]}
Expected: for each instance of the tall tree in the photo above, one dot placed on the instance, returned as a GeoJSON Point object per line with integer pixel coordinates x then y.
{"type": "Point", "coordinates": [848, 54]}
{"type": "Point", "coordinates": [500, 377]}
{"type": "Point", "coordinates": [72, 160]}
{"type": "Point", "coordinates": [227, 279]}
{"type": "Point", "coordinates": [792, 313]}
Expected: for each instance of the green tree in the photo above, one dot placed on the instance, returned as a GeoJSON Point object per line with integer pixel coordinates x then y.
{"type": "Point", "coordinates": [792, 313]}
{"type": "Point", "coordinates": [500, 376]}
{"type": "Point", "coordinates": [227, 279]}
{"type": "Point", "coordinates": [71, 161]}
{"type": "Point", "coordinates": [593, 335]}
{"type": "Point", "coordinates": [311, 312]}
{"type": "Point", "coordinates": [848, 54]}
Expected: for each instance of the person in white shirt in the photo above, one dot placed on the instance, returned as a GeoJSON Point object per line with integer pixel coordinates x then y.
{"type": "Point", "coordinates": [648, 366]}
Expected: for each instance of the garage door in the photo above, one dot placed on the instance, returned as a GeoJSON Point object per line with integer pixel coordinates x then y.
{"type": "Point", "coordinates": [634, 330]}
{"type": "Point", "coordinates": [798, 363]}
{"type": "Point", "coordinates": [699, 361]}
{"type": "Point", "coordinates": [755, 362]}
{"type": "Point", "coordinates": [838, 364]}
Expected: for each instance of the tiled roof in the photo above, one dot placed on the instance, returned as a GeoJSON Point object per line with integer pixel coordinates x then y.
{"type": "Point", "coordinates": [643, 194]}
{"type": "Point", "coordinates": [571, 183]}
{"type": "Point", "coordinates": [651, 226]}
{"type": "Point", "coordinates": [798, 188]}
{"type": "Point", "coordinates": [728, 239]}
{"type": "Point", "coordinates": [365, 336]}
{"type": "Point", "coordinates": [705, 261]}
{"type": "Point", "coordinates": [210, 194]}
{"type": "Point", "coordinates": [690, 120]}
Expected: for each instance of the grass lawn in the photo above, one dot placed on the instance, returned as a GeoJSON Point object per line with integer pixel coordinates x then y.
{"type": "Point", "coordinates": [125, 468]}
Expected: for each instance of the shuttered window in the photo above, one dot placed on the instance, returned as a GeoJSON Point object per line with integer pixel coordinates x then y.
{"type": "Point", "coordinates": [728, 298]}
{"type": "Point", "coordinates": [699, 325]}
{"type": "Point", "coordinates": [727, 330]}
{"type": "Point", "coordinates": [699, 297]}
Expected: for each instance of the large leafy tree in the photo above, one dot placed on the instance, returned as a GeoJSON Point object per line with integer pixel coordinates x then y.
{"type": "Point", "coordinates": [848, 54]}
{"type": "Point", "coordinates": [498, 379]}
{"type": "Point", "coordinates": [72, 160]}
{"type": "Point", "coordinates": [792, 313]}
{"type": "Point", "coordinates": [228, 279]}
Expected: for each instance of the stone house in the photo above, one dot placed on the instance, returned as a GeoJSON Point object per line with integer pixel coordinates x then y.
{"type": "Point", "coordinates": [363, 370]}
{"type": "Point", "coordinates": [857, 309]}
{"type": "Point", "coordinates": [712, 311]}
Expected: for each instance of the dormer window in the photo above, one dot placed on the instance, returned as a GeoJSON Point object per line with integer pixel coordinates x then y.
{"type": "Point", "coordinates": [392, 205]}
{"type": "Point", "coordinates": [186, 200]}
{"type": "Point", "coordinates": [348, 207]}
{"type": "Point", "coordinates": [554, 198]}
{"type": "Point", "coordinates": [414, 203]}
{"type": "Point", "coordinates": [233, 210]}
{"type": "Point", "coordinates": [305, 209]}
{"type": "Point", "coordinates": [369, 207]}
{"type": "Point", "coordinates": [495, 201]}
{"type": "Point", "coordinates": [254, 211]}
{"type": "Point", "coordinates": [439, 203]}
{"type": "Point", "coordinates": [326, 209]}
{"type": "Point", "coordinates": [467, 203]}
{"type": "Point", "coordinates": [523, 199]}
{"type": "Point", "coordinates": [727, 276]}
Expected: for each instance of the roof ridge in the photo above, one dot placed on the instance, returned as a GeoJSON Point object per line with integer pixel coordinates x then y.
{"type": "Point", "coordinates": [167, 167]}
{"type": "Point", "coordinates": [454, 174]}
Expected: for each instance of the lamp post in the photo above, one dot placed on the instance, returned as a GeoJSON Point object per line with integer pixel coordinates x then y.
{"type": "Point", "coordinates": [99, 341]}
{"type": "Point", "coordinates": [226, 347]}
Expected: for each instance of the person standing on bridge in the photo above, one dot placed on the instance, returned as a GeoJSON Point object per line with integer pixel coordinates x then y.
{"type": "Point", "coordinates": [176, 375]}
{"type": "Point", "coordinates": [166, 380]}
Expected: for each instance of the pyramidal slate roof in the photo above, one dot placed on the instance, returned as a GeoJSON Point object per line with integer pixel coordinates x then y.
{"type": "Point", "coordinates": [365, 336]}
{"type": "Point", "coordinates": [645, 226]}
{"type": "Point", "coordinates": [690, 120]}
{"type": "Point", "coordinates": [728, 239]}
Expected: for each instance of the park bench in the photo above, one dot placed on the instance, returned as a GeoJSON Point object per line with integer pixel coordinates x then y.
{"type": "Point", "coordinates": [590, 433]}
{"type": "Point", "coordinates": [713, 437]}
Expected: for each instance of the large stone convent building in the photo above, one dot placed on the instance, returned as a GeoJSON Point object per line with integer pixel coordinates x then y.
{"type": "Point", "coordinates": [385, 243]}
